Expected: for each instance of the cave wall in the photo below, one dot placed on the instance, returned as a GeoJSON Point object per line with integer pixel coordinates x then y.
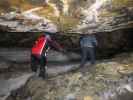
{"type": "Point", "coordinates": [108, 43]}
{"type": "Point", "coordinates": [17, 39]}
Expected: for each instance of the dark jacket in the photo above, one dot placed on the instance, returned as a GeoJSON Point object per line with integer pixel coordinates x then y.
{"type": "Point", "coordinates": [50, 42]}
{"type": "Point", "coordinates": [88, 41]}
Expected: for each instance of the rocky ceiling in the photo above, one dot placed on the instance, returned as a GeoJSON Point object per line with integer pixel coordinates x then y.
{"type": "Point", "coordinates": [71, 16]}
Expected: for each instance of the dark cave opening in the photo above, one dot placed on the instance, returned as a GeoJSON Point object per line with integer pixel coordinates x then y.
{"type": "Point", "coordinates": [109, 43]}
{"type": "Point", "coordinates": [113, 43]}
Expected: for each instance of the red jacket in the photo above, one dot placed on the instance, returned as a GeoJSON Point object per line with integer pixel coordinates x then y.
{"type": "Point", "coordinates": [42, 44]}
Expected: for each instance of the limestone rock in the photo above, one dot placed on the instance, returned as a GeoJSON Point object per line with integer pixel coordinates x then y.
{"type": "Point", "coordinates": [70, 97]}
{"type": "Point", "coordinates": [7, 86]}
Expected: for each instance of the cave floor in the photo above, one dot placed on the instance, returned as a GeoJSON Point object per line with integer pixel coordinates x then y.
{"type": "Point", "coordinates": [105, 74]}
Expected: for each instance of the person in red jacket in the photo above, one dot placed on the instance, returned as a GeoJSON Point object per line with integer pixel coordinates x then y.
{"type": "Point", "coordinates": [39, 51]}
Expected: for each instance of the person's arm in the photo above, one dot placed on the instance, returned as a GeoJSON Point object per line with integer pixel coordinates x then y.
{"type": "Point", "coordinates": [54, 44]}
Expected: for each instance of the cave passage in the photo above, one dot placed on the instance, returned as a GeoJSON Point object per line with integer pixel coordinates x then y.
{"type": "Point", "coordinates": [113, 43]}
{"type": "Point", "coordinates": [109, 44]}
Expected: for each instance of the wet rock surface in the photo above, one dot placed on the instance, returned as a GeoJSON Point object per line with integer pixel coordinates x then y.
{"type": "Point", "coordinates": [109, 79]}
{"type": "Point", "coordinates": [19, 59]}
{"type": "Point", "coordinates": [12, 84]}
{"type": "Point", "coordinates": [25, 22]}
{"type": "Point", "coordinates": [22, 55]}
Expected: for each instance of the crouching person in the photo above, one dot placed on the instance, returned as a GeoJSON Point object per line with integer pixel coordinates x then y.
{"type": "Point", "coordinates": [39, 51]}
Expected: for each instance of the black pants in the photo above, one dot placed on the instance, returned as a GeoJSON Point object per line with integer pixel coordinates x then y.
{"type": "Point", "coordinates": [87, 52]}
{"type": "Point", "coordinates": [39, 62]}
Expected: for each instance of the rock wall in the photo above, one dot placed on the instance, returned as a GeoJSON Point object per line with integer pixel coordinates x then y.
{"type": "Point", "coordinates": [108, 43]}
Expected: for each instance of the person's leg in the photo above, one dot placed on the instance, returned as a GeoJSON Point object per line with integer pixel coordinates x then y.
{"type": "Point", "coordinates": [83, 56]}
{"type": "Point", "coordinates": [34, 63]}
{"type": "Point", "coordinates": [91, 55]}
{"type": "Point", "coordinates": [42, 67]}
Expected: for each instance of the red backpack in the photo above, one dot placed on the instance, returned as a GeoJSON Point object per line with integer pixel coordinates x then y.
{"type": "Point", "coordinates": [38, 46]}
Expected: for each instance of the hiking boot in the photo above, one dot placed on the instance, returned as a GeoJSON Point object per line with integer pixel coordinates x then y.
{"type": "Point", "coordinates": [43, 74]}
